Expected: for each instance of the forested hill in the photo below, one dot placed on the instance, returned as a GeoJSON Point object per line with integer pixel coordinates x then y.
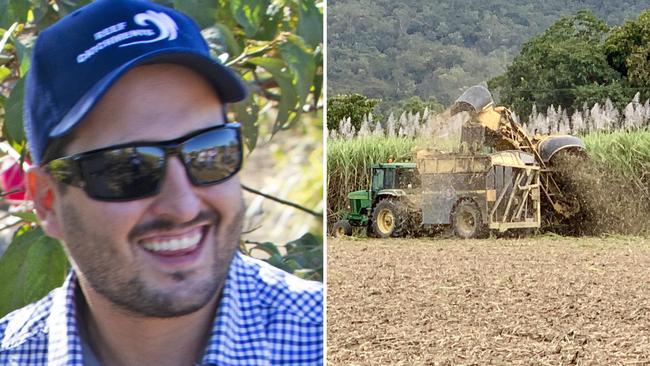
{"type": "Point", "coordinates": [392, 50]}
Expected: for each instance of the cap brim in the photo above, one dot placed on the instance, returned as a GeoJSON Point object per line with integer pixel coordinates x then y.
{"type": "Point", "coordinates": [226, 83]}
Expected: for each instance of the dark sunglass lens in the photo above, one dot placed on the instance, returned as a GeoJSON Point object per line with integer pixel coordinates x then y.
{"type": "Point", "coordinates": [213, 156]}
{"type": "Point", "coordinates": [123, 174]}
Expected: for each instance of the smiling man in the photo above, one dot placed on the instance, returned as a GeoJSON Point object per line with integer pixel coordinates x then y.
{"type": "Point", "coordinates": [136, 173]}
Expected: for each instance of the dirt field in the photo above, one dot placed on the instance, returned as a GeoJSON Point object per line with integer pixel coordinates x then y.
{"type": "Point", "coordinates": [535, 301]}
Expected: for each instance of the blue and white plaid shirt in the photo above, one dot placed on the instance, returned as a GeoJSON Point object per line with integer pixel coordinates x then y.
{"type": "Point", "coordinates": [265, 317]}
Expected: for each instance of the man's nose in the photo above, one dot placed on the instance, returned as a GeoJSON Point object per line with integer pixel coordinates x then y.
{"type": "Point", "coordinates": [177, 199]}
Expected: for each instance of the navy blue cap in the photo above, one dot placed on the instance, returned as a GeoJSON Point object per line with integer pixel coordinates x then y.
{"type": "Point", "coordinates": [76, 60]}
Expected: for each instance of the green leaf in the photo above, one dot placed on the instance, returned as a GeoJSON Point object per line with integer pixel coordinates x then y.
{"type": "Point", "coordinates": [4, 72]}
{"type": "Point", "coordinates": [306, 274]}
{"type": "Point", "coordinates": [20, 9]}
{"type": "Point", "coordinates": [33, 265]}
{"type": "Point", "coordinates": [301, 62]}
{"type": "Point", "coordinates": [269, 248]}
{"type": "Point", "coordinates": [14, 113]}
{"type": "Point", "coordinates": [307, 253]}
{"type": "Point", "coordinates": [4, 13]}
{"type": "Point", "coordinates": [318, 75]}
{"type": "Point", "coordinates": [20, 147]}
{"type": "Point", "coordinates": [276, 260]}
{"type": "Point", "coordinates": [304, 256]}
{"type": "Point", "coordinates": [249, 14]}
{"type": "Point", "coordinates": [247, 112]}
{"type": "Point", "coordinates": [310, 23]}
{"type": "Point", "coordinates": [291, 264]}
{"type": "Point", "coordinates": [44, 15]}
{"type": "Point", "coordinates": [27, 216]}
{"type": "Point", "coordinates": [24, 55]}
{"type": "Point", "coordinates": [229, 40]}
{"type": "Point", "coordinates": [278, 70]}
{"type": "Point", "coordinates": [202, 11]}
{"type": "Point", "coordinates": [308, 240]}
{"type": "Point", "coordinates": [268, 28]}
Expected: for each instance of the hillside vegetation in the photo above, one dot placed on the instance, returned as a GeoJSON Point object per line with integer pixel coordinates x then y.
{"type": "Point", "coordinates": [393, 50]}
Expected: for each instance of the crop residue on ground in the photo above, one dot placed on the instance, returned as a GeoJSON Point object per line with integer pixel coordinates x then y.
{"type": "Point", "coordinates": [542, 300]}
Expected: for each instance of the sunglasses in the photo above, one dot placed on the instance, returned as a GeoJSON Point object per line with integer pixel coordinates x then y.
{"type": "Point", "coordinates": [135, 170]}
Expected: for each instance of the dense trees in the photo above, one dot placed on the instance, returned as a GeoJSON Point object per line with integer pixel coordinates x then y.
{"type": "Point", "coordinates": [628, 50]}
{"type": "Point", "coordinates": [354, 106]}
{"type": "Point", "coordinates": [577, 61]}
{"type": "Point", "coordinates": [565, 65]}
{"type": "Point", "coordinates": [415, 104]}
{"type": "Point", "coordinates": [392, 50]}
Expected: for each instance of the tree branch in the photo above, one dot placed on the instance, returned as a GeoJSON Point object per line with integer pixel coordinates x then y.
{"type": "Point", "coordinates": [318, 215]}
{"type": "Point", "coordinates": [9, 226]}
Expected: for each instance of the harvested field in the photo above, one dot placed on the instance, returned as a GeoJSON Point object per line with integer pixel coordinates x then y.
{"type": "Point", "coordinates": [542, 300]}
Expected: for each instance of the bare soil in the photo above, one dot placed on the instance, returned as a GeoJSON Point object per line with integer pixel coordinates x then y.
{"type": "Point", "coordinates": [543, 300]}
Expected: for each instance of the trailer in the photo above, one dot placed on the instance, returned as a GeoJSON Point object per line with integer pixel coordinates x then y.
{"type": "Point", "coordinates": [476, 193]}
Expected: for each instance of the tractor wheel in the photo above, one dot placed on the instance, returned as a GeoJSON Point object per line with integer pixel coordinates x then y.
{"type": "Point", "coordinates": [466, 220]}
{"type": "Point", "coordinates": [342, 228]}
{"type": "Point", "coordinates": [388, 219]}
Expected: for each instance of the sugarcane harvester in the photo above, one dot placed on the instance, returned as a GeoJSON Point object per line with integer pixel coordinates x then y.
{"type": "Point", "coordinates": [473, 191]}
{"type": "Point", "coordinates": [494, 127]}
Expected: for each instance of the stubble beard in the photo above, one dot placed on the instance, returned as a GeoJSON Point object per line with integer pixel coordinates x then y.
{"type": "Point", "coordinates": [94, 258]}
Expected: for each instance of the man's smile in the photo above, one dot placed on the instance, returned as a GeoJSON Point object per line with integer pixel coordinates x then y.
{"type": "Point", "coordinates": [173, 244]}
{"type": "Point", "coordinates": [177, 249]}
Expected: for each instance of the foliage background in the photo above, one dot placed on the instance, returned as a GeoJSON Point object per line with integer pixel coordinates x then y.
{"type": "Point", "coordinates": [393, 50]}
{"type": "Point", "coordinates": [276, 47]}
{"type": "Point", "coordinates": [579, 61]}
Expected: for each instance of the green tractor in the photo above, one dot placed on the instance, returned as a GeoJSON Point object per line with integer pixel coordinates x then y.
{"type": "Point", "coordinates": [385, 210]}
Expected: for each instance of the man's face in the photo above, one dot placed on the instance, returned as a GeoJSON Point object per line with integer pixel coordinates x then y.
{"type": "Point", "coordinates": [118, 248]}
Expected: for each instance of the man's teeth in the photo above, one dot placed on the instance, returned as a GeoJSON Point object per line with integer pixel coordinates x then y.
{"type": "Point", "coordinates": [173, 244]}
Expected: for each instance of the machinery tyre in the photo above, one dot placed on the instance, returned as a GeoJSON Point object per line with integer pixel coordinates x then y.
{"type": "Point", "coordinates": [370, 231]}
{"type": "Point", "coordinates": [388, 219]}
{"type": "Point", "coordinates": [342, 228]}
{"type": "Point", "coordinates": [466, 220]}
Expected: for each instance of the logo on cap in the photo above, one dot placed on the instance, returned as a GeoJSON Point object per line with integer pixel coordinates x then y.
{"type": "Point", "coordinates": [167, 30]}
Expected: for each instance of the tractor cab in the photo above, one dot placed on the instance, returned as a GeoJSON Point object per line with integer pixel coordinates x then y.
{"type": "Point", "coordinates": [393, 176]}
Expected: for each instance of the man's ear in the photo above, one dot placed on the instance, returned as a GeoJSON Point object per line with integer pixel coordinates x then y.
{"type": "Point", "coordinates": [40, 189]}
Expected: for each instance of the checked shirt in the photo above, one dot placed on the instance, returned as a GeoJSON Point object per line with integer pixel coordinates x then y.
{"type": "Point", "coordinates": [265, 317]}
